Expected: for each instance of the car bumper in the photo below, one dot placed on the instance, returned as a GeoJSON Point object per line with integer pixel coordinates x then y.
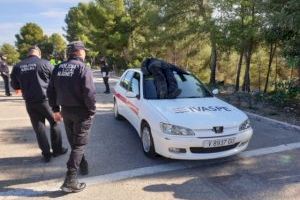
{"type": "Point", "coordinates": [163, 143]}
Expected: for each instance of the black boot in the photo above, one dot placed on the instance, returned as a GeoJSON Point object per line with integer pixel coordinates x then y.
{"type": "Point", "coordinates": [71, 184]}
{"type": "Point", "coordinates": [47, 157]}
{"type": "Point", "coordinates": [61, 152]}
{"type": "Point", "coordinates": [84, 167]}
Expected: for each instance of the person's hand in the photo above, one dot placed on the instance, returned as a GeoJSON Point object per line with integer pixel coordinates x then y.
{"type": "Point", "coordinates": [57, 116]}
{"type": "Point", "coordinates": [19, 92]}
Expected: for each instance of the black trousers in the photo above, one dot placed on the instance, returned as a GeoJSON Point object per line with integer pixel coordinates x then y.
{"type": "Point", "coordinates": [6, 83]}
{"type": "Point", "coordinates": [78, 125]}
{"type": "Point", "coordinates": [38, 112]}
{"type": "Point", "coordinates": [105, 80]}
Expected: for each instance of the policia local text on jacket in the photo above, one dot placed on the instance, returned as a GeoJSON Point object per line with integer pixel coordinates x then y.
{"type": "Point", "coordinates": [32, 76]}
{"type": "Point", "coordinates": [72, 88]}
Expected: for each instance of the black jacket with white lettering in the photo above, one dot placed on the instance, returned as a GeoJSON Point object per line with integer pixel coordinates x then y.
{"type": "Point", "coordinates": [72, 85]}
{"type": "Point", "coordinates": [4, 68]}
{"type": "Point", "coordinates": [32, 76]}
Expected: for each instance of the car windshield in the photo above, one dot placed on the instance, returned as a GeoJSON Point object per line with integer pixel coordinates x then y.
{"type": "Point", "coordinates": [190, 86]}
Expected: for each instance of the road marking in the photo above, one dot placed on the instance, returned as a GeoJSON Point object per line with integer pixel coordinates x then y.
{"type": "Point", "coordinates": [45, 187]}
{"type": "Point", "coordinates": [15, 118]}
{"type": "Point", "coordinates": [270, 150]}
{"type": "Point", "coordinates": [104, 112]}
{"type": "Point", "coordinates": [274, 121]}
{"type": "Point", "coordinates": [117, 176]}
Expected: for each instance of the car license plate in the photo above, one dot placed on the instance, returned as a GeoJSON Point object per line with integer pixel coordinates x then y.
{"type": "Point", "coordinates": [218, 142]}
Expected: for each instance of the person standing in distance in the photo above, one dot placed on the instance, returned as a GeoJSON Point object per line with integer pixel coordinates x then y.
{"type": "Point", "coordinates": [32, 76]}
{"type": "Point", "coordinates": [4, 70]}
{"type": "Point", "coordinates": [105, 69]}
{"type": "Point", "coordinates": [72, 88]}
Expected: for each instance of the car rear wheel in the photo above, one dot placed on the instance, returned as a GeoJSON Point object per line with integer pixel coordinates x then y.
{"type": "Point", "coordinates": [147, 141]}
{"type": "Point", "coordinates": [116, 111]}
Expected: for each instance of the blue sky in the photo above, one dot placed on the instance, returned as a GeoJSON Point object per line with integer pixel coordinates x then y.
{"type": "Point", "coordinates": [49, 14]}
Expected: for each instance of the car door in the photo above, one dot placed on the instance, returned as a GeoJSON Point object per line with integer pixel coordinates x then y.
{"type": "Point", "coordinates": [133, 96]}
{"type": "Point", "coordinates": [121, 92]}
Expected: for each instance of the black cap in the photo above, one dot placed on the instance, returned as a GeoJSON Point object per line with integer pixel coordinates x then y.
{"type": "Point", "coordinates": [75, 46]}
{"type": "Point", "coordinates": [34, 47]}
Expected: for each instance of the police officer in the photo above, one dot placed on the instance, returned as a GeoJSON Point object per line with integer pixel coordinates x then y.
{"type": "Point", "coordinates": [32, 76]}
{"type": "Point", "coordinates": [5, 74]}
{"type": "Point", "coordinates": [72, 89]}
{"type": "Point", "coordinates": [105, 69]}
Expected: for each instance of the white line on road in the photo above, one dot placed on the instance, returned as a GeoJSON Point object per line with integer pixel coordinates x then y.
{"type": "Point", "coordinates": [15, 119]}
{"type": "Point", "coordinates": [274, 121]}
{"type": "Point", "coordinates": [270, 150]}
{"type": "Point", "coordinates": [104, 112]}
{"type": "Point", "coordinates": [176, 166]}
{"type": "Point", "coordinates": [118, 176]}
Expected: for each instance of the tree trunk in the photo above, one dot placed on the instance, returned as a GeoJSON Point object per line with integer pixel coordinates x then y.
{"type": "Point", "coordinates": [213, 62]}
{"type": "Point", "coordinates": [292, 71]}
{"type": "Point", "coordinates": [174, 54]}
{"type": "Point", "coordinates": [271, 56]}
{"type": "Point", "coordinates": [242, 52]}
{"type": "Point", "coordinates": [238, 74]}
{"type": "Point", "coordinates": [248, 54]}
{"type": "Point", "coordinates": [298, 76]}
{"type": "Point", "coordinates": [276, 72]}
{"type": "Point", "coordinates": [259, 77]}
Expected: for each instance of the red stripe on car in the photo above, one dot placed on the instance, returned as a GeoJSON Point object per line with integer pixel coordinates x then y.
{"type": "Point", "coordinates": [132, 107]}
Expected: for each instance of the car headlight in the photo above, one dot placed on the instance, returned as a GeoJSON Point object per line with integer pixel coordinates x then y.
{"type": "Point", "coordinates": [245, 125]}
{"type": "Point", "coordinates": [175, 130]}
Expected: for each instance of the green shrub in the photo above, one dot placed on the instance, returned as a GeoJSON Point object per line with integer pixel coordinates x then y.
{"type": "Point", "coordinates": [287, 91]}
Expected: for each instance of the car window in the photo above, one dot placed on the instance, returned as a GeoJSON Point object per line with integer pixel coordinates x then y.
{"type": "Point", "coordinates": [135, 83]}
{"type": "Point", "coordinates": [125, 82]}
{"type": "Point", "coordinates": [122, 80]}
{"type": "Point", "coordinates": [190, 86]}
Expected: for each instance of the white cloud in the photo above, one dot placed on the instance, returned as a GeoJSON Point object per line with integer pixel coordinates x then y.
{"type": "Point", "coordinates": [8, 31]}
{"type": "Point", "coordinates": [54, 13]}
{"type": "Point", "coordinates": [6, 26]}
{"type": "Point", "coordinates": [46, 1]}
{"type": "Point", "coordinates": [50, 31]}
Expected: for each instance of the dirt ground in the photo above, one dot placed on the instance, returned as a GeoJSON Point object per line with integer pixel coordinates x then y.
{"type": "Point", "coordinates": [244, 101]}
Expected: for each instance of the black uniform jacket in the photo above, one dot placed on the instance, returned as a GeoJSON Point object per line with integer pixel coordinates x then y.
{"type": "Point", "coordinates": [4, 68]}
{"type": "Point", "coordinates": [105, 69]}
{"type": "Point", "coordinates": [72, 85]}
{"type": "Point", "coordinates": [32, 76]}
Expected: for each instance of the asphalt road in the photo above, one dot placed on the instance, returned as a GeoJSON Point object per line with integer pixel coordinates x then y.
{"type": "Point", "coordinates": [119, 169]}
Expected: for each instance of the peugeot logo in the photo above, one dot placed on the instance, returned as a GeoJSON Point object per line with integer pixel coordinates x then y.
{"type": "Point", "coordinates": [218, 129]}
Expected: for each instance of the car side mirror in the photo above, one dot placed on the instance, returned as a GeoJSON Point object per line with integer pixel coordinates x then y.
{"type": "Point", "coordinates": [215, 91]}
{"type": "Point", "coordinates": [130, 94]}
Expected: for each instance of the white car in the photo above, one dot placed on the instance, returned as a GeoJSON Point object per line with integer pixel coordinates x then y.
{"type": "Point", "coordinates": [196, 125]}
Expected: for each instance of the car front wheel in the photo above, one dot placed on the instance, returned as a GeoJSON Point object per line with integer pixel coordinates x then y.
{"type": "Point", "coordinates": [147, 141]}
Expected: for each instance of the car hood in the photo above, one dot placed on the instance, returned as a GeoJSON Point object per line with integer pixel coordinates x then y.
{"type": "Point", "coordinates": [199, 113]}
